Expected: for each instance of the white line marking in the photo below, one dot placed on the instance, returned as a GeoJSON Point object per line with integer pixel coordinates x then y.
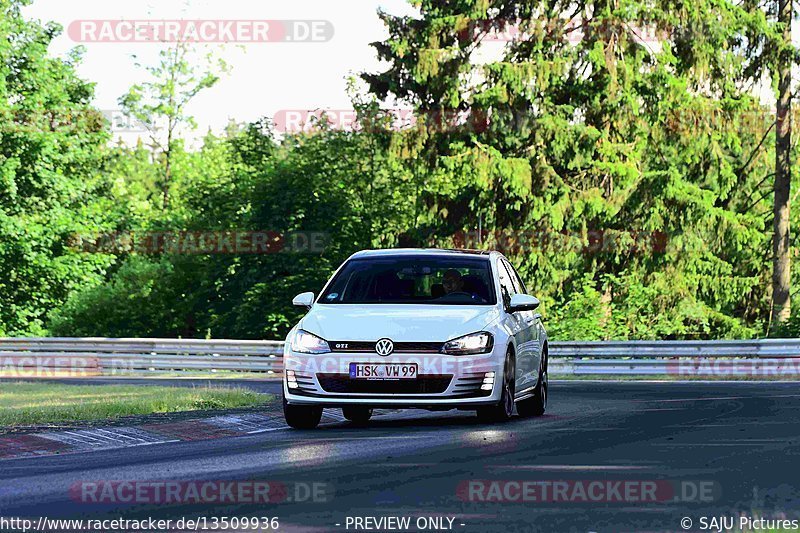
{"type": "Point", "coordinates": [85, 439]}
{"type": "Point", "coordinates": [753, 440]}
{"type": "Point", "coordinates": [754, 397]}
{"type": "Point", "coordinates": [122, 435]}
{"type": "Point", "coordinates": [405, 465]}
{"type": "Point", "coordinates": [567, 468]}
{"type": "Point", "coordinates": [151, 443]}
{"type": "Point", "coordinates": [705, 444]}
{"type": "Point", "coordinates": [393, 437]}
{"type": "Point", "coordinates": [265, 430]}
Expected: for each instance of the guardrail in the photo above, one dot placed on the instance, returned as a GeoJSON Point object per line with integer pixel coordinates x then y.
{"type": "Point", "coordinates": [763, 358]}
{"type": "Point", "coordinates": [86, 357]}
{"type": "Point", "coordinates": [648, 349]}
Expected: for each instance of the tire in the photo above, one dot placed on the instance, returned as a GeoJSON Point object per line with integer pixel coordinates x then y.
{"type": "Point", "coordinates": [357, 413]}
{"type": "Point", "coordinates": [302, 416]}
{"type": "Point", "coordinates": [504, 409]}
{"type": "Point", "coordinates": [536, 405]}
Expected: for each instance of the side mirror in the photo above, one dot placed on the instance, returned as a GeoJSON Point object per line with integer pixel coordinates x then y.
{"type": "Point", "coordinates": [523, 302]}
{"type": "Point", "coordinates": [305, 299]}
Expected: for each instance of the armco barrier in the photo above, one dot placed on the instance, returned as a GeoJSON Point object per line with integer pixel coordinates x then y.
{"type": "Point", "coordinates": [650, 349]}
{"type": "Point", "coordinates": [83, 357]}
{"type": "Point", "coordinates": [87, 357]}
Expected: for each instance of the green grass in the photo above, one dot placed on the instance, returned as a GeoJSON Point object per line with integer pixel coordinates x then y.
{"type": "Point", "coordinates": [23, 404]}
{"type": "Point", "coordinates": [201, 374]}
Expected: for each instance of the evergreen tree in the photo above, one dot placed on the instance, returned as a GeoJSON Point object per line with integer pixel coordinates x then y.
{"type": "Point", "coordinates": [648, 145]}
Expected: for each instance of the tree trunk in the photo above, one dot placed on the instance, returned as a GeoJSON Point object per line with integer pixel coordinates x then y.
{"type": "Point", "coordinates": [781, 279]}
{"type": "Point", "coordinates": [168, 165]}
{"type": "Point", "coordinates": [167, 177]}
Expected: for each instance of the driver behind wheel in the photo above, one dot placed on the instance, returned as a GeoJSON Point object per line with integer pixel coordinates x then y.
{"type": "Point", "coordinates": [453, 282]}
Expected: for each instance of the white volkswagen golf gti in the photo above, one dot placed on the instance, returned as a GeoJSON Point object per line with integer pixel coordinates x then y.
{"type": "Point", "coordinates": [430, 329]}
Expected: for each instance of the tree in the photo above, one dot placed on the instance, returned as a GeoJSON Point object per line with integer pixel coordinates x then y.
{"type": "Point", "coordinates": [160, 104]}
{"type": "Point", "coordinates": [772, 55]}
{"type": "Point", "coordinates": [781, 271]}
{"type": "Point", "coordinates": [52, 184]}
{"type": "Point", "coordinates": [605, 133]}
{"type": "Point", "coordinates": [345, 187]}
{"type": "Point", "coordinates": [629, 179]}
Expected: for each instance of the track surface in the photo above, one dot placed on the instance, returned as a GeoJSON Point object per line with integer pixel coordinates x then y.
{"type": "Point", "coordinates": [740, 442]}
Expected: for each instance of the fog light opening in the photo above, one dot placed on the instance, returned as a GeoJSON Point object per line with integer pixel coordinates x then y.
{"type": "Point", "coordinates": [488, 381]}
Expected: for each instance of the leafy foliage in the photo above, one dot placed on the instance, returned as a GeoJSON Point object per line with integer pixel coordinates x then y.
{"type": "Point", "coordinates": [627, 178]}
{"type": "Point", "coordinates": [51, 184]}
{"type": "Point", "coordinates": [160, 102]}
{"type": "Point", "coordinates": [607, 134]}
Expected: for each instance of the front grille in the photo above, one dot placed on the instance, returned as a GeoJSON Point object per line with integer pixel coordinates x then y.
{"type": "Point", "coordinates": [399, 347]}
{"type": "Point", "coordinates": [342, 383]}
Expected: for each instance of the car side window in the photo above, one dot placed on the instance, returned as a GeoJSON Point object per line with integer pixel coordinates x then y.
{"type": "Point", "coordinates": [506, 285]}
{"type": "Point", "coordinates": [510, 274]}
{"type": "Point", "coordinates": [516, 278]}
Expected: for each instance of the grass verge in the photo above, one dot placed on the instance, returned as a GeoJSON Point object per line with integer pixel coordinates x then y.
{"type": "Point", "coordinates": [47, 403]}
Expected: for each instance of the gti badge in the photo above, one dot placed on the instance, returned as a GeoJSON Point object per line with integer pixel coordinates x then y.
{"type": "Point", "coordinates": [384, 347]}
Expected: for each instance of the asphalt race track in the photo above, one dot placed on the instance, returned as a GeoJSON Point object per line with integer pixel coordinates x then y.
{"type": "Point", "coordinates": [626, 456]}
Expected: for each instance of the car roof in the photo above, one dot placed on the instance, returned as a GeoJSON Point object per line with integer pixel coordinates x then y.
{"type": "Point", "coordinates": [420, 251]}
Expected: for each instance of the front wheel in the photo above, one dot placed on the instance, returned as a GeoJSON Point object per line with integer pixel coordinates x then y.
{"type": "Point", "coordinates": [536, 405]}
{"type": "Point", "coordinates": [302, 416]}
{"type": "Point", "coordinates": [504, 409]}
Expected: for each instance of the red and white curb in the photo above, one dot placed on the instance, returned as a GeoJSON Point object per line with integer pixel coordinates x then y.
{"type": "Point", "coordinates": [107, 438]}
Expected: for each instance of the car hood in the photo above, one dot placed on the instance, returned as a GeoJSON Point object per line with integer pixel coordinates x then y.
{"type": "Point", "coordinates": [408, 322]}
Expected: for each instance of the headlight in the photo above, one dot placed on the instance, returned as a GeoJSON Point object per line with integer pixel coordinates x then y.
{"type": "Point", "coordinates": [473, 343]}
{"type": "Point", "coordinates": [305, 342]}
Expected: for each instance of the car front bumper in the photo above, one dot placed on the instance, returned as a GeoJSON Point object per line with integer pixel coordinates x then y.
{"type": "Point", "coordinates": [443, 381]}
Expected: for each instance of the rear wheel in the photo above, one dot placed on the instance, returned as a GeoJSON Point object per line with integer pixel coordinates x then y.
{"type": "Point", "coordinates": [536, 404]}
{"type": "Point", "coordinates": [357, 413]}
{"type": "Point", "coordinates": [504, 409]}
{"type": "Point", "coordinates": [302, 416]}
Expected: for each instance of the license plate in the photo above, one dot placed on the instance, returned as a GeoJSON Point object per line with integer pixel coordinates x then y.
{"type": "Point", "coordinates": [383, 371]}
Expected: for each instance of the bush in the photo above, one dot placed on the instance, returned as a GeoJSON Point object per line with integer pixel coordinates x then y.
{"type": "Point", "coordinates": [139, 300]}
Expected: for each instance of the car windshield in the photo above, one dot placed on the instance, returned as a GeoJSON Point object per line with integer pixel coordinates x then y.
{"type": "Point", "coordinates": [413, 280]}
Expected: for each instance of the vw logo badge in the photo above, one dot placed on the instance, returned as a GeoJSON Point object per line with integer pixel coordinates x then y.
{"type": "Point", "coordinates": [384, 347]}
